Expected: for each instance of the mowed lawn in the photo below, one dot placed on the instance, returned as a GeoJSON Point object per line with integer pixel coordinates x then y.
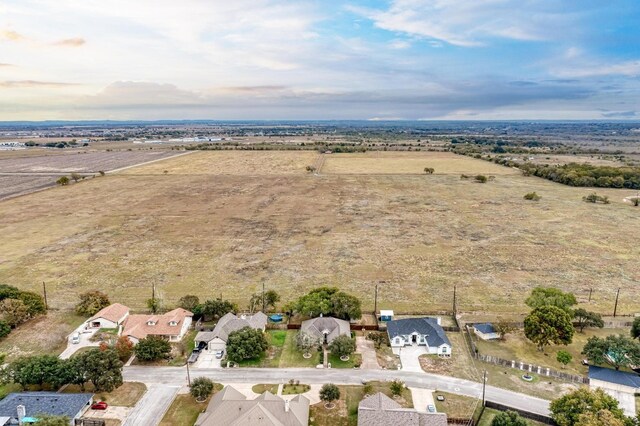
{"type": "Point", "coordinates": [221, 223]}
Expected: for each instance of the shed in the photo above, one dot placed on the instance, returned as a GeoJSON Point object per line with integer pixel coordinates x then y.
{"type": "Point", "coordinates": [386, 315]}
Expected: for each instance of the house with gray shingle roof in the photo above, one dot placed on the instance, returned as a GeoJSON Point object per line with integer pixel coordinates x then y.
{"type": "Point", "coordinates": [325, 329]}
{"type": "Point", "coordinates": [380, 410]}
{"type": "Point", "coordinates": [216, 340]}
{"type": "Point", "coordinates": [71, 405]}
{"type": "Point", "coordinates": [231, 408]}
{"type": "Point", "coordinates": [419, 332]}
{"type": "Point", "coordinates": [619, 384]}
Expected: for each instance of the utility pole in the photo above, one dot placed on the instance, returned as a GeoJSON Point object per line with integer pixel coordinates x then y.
{"type": "Point", "coordinates": [590, 292]}
{"type": "Point", "coordinates": [263, 310]}
{"type": "Point", "coordinates": [375, 298]}
{"type": "Point", "coordinates": [484, 385]}
{"type": "Point", "coordinates": [44, 291]}
{"type": "Point", "coordinates": [455, 307]}
{"type": "Point", "coordinates": [188, 375]}
{"type": "Point", "coordinates": [615, 307]}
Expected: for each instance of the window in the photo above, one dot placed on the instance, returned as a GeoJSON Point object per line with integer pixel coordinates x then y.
{"type": "Point", "coordinates": [173, 323]}
{"type": "Point", "coordinates": [151, 323]}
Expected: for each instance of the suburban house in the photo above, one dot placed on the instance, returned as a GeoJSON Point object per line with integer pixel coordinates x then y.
{"type": "Point", "coordinates": [421, 332]}
{"type": "Point", "coordinates": [24, 407]}
{"type": "Point", "coordinates": [216, 340]}
{"type": "Point", "coordinates": [326, 328]}
{"type": "Point", "coordinates": [486, 331]}
{"type": "Point", "coordinates": [112, 316]}
{"type": "Point", "coordinates": [230, 407]}
{"type": "Point", "coordinates": [172, 326]}
{"type": "Point", "coordinates": [619, 384]}
{"type": "Point", "coordinates": [380, 410]}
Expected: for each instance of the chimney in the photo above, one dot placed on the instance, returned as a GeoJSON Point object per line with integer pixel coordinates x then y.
{"type": "Point", "coordinates": [286, 405]}
{"type": "Point", "coordinates": [439, 320]}
{"type": "Point", "coordinates": [22, 412]}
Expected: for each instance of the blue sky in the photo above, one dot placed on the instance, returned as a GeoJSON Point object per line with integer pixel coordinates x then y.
{"type": "Point", "coordinates": [307, 59]}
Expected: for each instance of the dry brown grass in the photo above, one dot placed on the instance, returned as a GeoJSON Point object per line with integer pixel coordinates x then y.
{"type": "Point", "coordinates": [374, 163]}
{"type": "Point", "coordinates": [222, 234]}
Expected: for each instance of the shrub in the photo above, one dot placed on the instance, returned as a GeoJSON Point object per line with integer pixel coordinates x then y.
{"type": "Point", "coordinates": [396, 387]}
{"type": "Point", "coordinates": [5, 329]}
{"type": "Point", "coordinates": [201, 387]}
{"type": "Point", "coordinates": [532, 196]}
{"type": "Point", "coordinates": [62, 181]}
{"type": "Point", "coordinates": [152, 348]}
{"type": "Point", "coordinates": [91, 302]}
{"type": "Point", "coordinates": [595, 198]}
{"type": "Point", "coordinates": [481, 178]}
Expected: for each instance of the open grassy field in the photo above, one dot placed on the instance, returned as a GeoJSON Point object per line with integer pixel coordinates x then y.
{"type": "Point", "coordinates": [221, 223]}
{"type": "Point", "coordinates": [380, 162]}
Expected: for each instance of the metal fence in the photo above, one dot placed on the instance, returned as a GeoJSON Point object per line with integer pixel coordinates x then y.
{"type": "Point", "coordinates": [520, 365]}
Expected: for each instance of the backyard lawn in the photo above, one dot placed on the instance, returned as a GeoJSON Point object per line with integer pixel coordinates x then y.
{"type": "Point", "coordinates": [456, 406]}
{"type": "Point", "coordinates": [345, 412]}
{"type": "Point", "coordinates": [126, 395]}
{"type": "Point", "coordinates": [270, 358]}
{"type": "Point", "coordinates": [518, 347]}
{"type": "Point", "coordinates": [489, 414]}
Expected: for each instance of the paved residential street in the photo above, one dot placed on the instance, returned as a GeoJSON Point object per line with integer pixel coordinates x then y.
{"type": "Point", "coordinates": [177, 376]}
{"type": "Point", "coordinates": [155, 402]}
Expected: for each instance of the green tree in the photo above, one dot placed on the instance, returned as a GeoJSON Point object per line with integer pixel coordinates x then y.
{"type": "Point", "coordinates": [152, 348]}
{"type": "Point", "coordinates": [396, 387]}
{"type": "Point", "coordinates": [14, 312]}
{"type": "Point", "coordinates": [342, 346]}
{"type": "Point", "coordinates": [635, 328]}
{"type": "Point", "coordinates": [509, 418]}
{"type": "Point", "coordinates": [503, 328]}
{"type": "Point", "coordinates": [603, 418]}
{"type": "Point", "coordinates": [189, 302]}
{"type": "Point", "coordinates": [305, 342]}
{"type": "Point", "coordinates": [329, 393]}
{"type": "Point", "coordinates": [271, 297]}
{"type": "Point", "coordinates": [549, 296]}
{"type": "Point", "coordinates": [567, 409]}
{"type": "Point", "coordinates": [154, 305]}
{"type": "Point", "coordinates": [5, 329]}
{"type": "Point", "coordinates": [50, 420]}
{"type": "Point", "coordinates": [201, 387]}
{"type": "Point", "coordinates": [617, 351]}
{"type": "Point", "coordinates": [329, 301]}
{"type": "Point", "coordinates": [548, 325]}
{"type": "Point", "coordinates": [34, 303]}
{"type": "Point", "coordinates": [217, 308]}
{"type": "Point", "coordinates": [62, 181]}
{"type": "Point", "coordinates": [564, 358]}
{"type": "Point", "coordinates": [102, 368]}
{"type": "Point", "coordinates": [429, 170]}
{"type": "Point", "coordinates": [246, 343]}
{"type": "Point", "coordinates": [38, 370]}
{"type": "Point", "coordinates": [586, 318]}
{"type": "Point", "coordinates": [91, 302]}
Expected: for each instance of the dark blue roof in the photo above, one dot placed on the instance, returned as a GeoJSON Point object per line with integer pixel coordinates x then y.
{"type": "Point", "coordinates": [425, 326]}
{"type": "Point", "coordinates": [53, 403]}
{"type": "Point", "coordinates": [486, 328]}
{"type": "Point", "coordinates": [614, 376]}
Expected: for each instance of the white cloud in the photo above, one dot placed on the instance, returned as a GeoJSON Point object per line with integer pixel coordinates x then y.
{"type": "Point", "coordinates": [599, 69]}
{"type": "Point", "coordinates": [471, 22]}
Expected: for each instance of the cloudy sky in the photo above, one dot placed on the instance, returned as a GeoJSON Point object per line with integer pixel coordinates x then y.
{"type": "Point", "coordinates": [324, 59]}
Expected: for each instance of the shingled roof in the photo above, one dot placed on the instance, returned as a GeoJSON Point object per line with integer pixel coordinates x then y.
{"type": "Point", "coordinates": [380, 410]}
{"type": "Point", "coordinates": [53, 403]}
{"type": "Point", "coordinates": [230, 407]}
{"type": "Point", "coordinates": [614, 376]}
{"type": "Point", "coordinates": [138, 325]}
{"type": "Point", "coordinates": [330, 326]}
{"type": "Point", "coordinates": [486, 328]}
{"type": "Point", "coordinates": [230, 323]}
{"type": "Point", "coordinates": [424, 326]}
{"type": "Point", "coordinates": [113, 312]}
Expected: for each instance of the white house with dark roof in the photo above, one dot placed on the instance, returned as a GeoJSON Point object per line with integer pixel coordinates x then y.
{"type": "Point", "coordinates": [619, 384]}
{"type": "Point", "coordinates": [486, 331]}
{"type": "Point", "coordinates": [216, 340]}
{"type": "Point", "coordinates": [325, 329]}
{"type": "Point", "coordinates": [419, 332]}
{"type": "Point", "coordinates": [380, 410]}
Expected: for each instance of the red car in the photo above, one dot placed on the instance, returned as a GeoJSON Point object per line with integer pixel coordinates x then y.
{"type": "Point", "coordinates": [99, 405]}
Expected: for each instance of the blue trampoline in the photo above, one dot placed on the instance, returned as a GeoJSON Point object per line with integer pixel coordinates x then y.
{"type": "Point", "coordinates": [276, 318]}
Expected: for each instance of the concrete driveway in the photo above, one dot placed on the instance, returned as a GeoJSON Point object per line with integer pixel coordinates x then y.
{"type": "Point", "coordinates": [207, 360]}
{"type": "Point", "coordinates": [627, 401]}
{"type": "Point", "coordinates": [368, 351]}
{"type": "Point", "coordinates": [422, 398]}
{"type": "Point", "coordinates": [409, 357]}
{"type": "Point", "coordinates": [85, 335]}
{"type": "Point", "coordinates": [154, 404]}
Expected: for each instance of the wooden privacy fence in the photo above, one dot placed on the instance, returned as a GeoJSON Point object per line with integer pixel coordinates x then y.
{"type": "Point", "coordinates": [520, 365]}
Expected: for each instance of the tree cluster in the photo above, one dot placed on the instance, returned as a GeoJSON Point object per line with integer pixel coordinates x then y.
{"type": "Point", "coordinates": [17, 307]}
{"type": "Point", "coordinates": [617, 351]}
{"type": "Point", "coordinates": [152, 348]}
{"type": "Point", "coordinates": [213, 309]}
{"type": "Point", "coordinates": [342, 346]}
{"type": "Point", "coordinates": [329, 301]}
{"type": "Point", "coordinates": [102, 368]}
{"type": "Point", "coordinates": [580, 407]}
{"type": "Point", "coordinates": [91, 303]}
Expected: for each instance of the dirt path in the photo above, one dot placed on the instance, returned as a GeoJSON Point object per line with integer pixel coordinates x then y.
{"type": "Point", "coordinates": [318, 164]}
{"type": "Point", "coordinates": [149, 162]}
